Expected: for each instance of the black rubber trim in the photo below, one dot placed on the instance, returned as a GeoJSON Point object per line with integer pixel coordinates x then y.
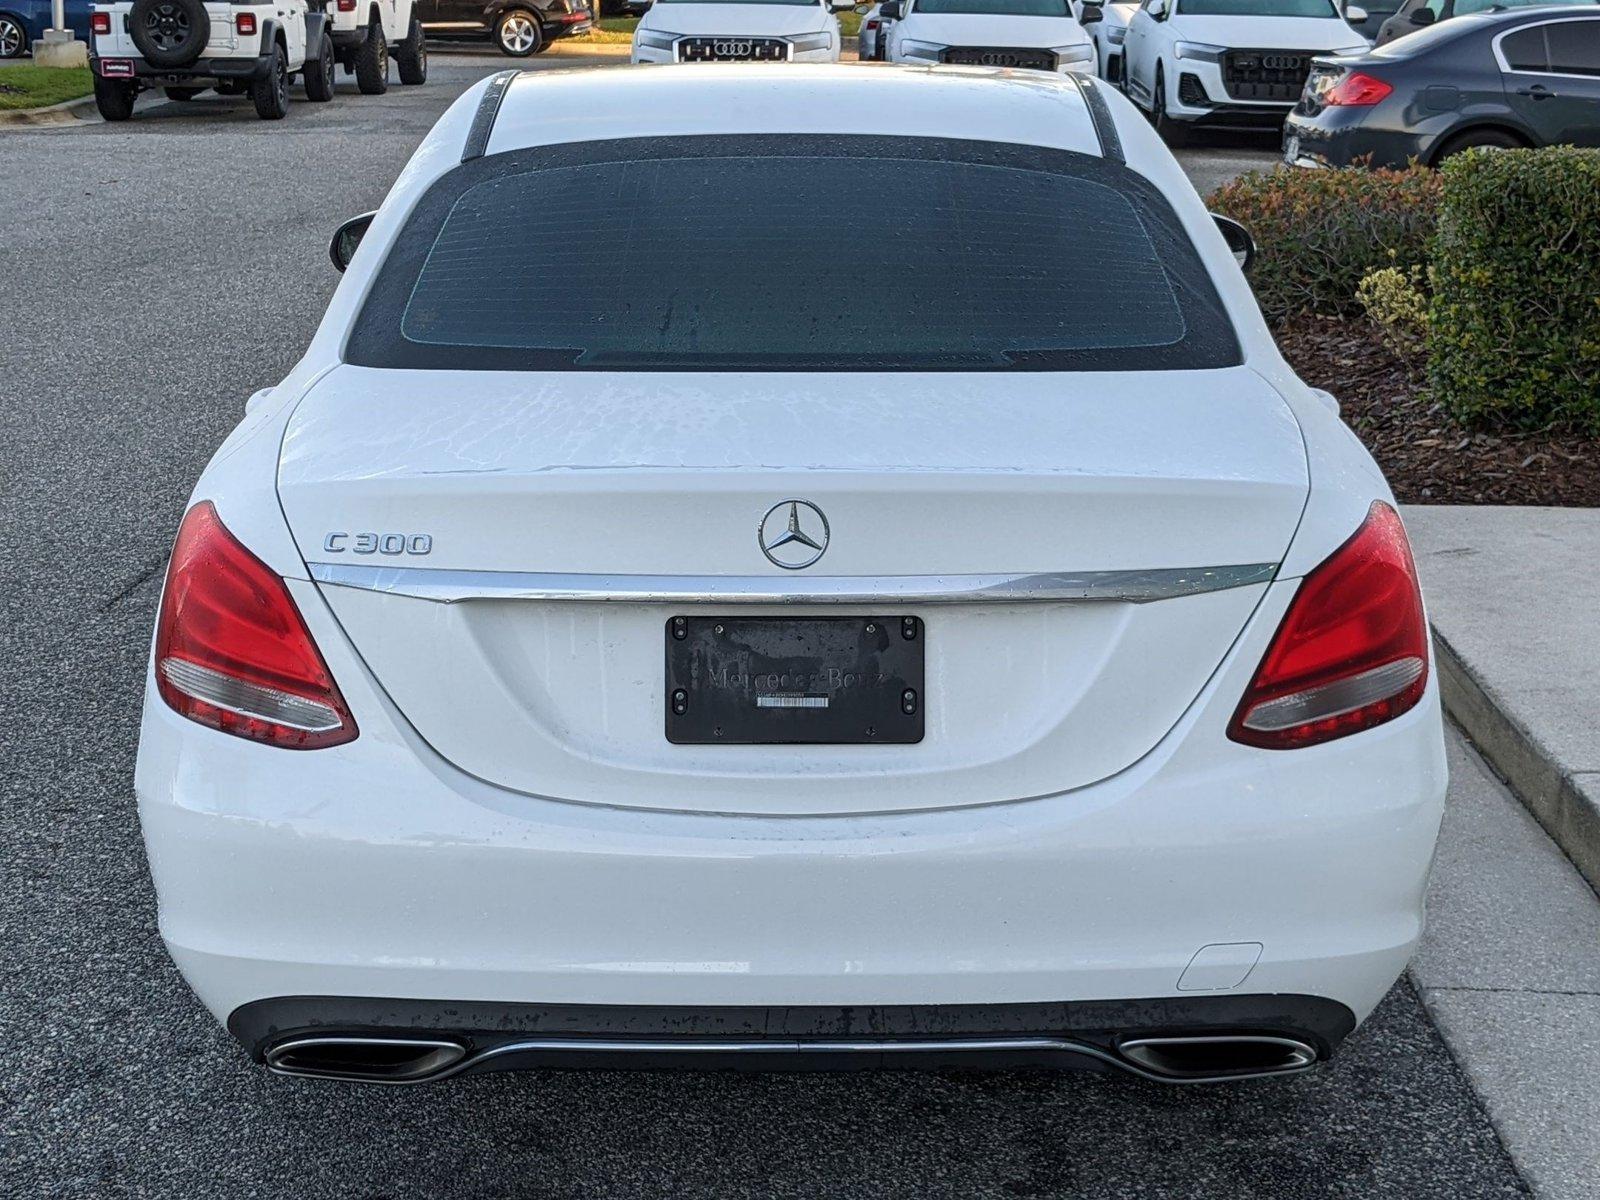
{"type": "Point", "coordinates": [1105, 127]}
{"type": "Point", "coordinates": [482, 1025]}
{"type": "Point", "coordinates": [483, 119]}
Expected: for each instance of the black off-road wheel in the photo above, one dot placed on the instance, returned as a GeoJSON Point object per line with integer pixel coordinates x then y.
{"type": "Point", "coordinates": [318, 75]}
{"type": "Point", "coordinates": [169, 33]}
{"type": "Point", "coordinates": [271, 92]}
{"type": "Point", "coordinates": [372, 62]}
{"type": "Point", "coordinates": [114, 98]}
{"type": "Point", "coordinates": [412, 55]}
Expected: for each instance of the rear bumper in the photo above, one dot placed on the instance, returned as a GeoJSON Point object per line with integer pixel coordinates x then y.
{"type": "Point", "coordinates": [1333, 139]}
{"type": "Point", "coordinates": [200, 69]}
{"type": "Point", "coordinates": [498, 1037]}
{"type": "Point", "coordinates": [376, 869]}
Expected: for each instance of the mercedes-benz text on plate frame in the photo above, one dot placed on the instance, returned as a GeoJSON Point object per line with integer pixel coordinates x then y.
{"type": "Point", "coordinates": [554, 726]}
{"type": "Point", "coordinates": [793, 534]}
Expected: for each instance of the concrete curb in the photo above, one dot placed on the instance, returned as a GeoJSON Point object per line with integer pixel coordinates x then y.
{"type": "Point", "coordinates": [1566, 805]}
{"type": "Point", "coordinates": [52, 114]}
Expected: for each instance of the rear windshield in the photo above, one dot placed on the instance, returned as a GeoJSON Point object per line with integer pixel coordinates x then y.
{"type": "Point", "coordinates": [793, 253]}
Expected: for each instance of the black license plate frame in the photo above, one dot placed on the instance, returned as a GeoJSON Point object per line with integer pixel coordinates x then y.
{"type": "Point", "coordinates": [816, 681]}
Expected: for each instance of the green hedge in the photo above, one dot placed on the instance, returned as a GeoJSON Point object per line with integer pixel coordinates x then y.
{"type": "Point", "coordinates": [1514, 324]}
{"type": "Point", "coordinates": [1319, 233]}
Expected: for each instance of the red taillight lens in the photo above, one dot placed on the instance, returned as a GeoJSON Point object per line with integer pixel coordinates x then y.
{"type": "Point", "coordinates": [872, 24]}
{"type": "Point", "coordinates": [232, 651]}
{"type": "Point", "coordinates": [1352, 651]}
{"type": "Point", "coordinates": [347, 5]}
{"type": "Point", "coordinates": [245, 23]}
{"type": "Point", "coordinates": [1356, 90]}
{"type": "Point", "coordinates": [100, 23]}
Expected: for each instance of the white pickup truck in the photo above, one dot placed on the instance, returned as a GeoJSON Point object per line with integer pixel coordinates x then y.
{"type": "Point", "coordinates": [254, 49]}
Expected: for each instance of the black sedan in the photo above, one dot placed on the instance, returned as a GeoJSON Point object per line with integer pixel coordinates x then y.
{"type": "Point", "coordinates": [518, 27]}
{"type": "Point", "coordinates": [1529, 77]}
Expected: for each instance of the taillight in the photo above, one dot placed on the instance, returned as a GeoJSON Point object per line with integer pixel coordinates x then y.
{"type": "Point", "coordinates": [1356, 90]}
{"type": "Point", "coordinates": [232, 650]}
{"type": "Point", "coordinates": [347, 5]}
{"type": "Point", "coordinates": [100, 23]}
{"type": "Point", "coordinates": [1351, 652]}
{"type": "Point", "coordinates": [245, 23]}
{"type": "Point", "coordinates": [872, 24]}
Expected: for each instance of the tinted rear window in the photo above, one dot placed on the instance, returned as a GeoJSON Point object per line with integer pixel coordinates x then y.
{"type": "Point", "coordinates": [793, 254]}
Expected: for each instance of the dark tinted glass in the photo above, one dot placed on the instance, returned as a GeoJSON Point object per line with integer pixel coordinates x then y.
{"type": "Point", "coordinates": [727, 255]}
{"type": "Point", "coordinates": [1575, 47]}
{"type": "Point", "coordinates": [1524, 50]}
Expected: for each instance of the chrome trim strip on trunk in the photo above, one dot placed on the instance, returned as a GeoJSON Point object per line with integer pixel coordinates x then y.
{"type": "Point", "coordinates": [450, 587]}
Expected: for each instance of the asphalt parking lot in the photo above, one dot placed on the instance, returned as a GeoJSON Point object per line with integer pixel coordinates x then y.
{"type": "Point", "coordinates": [155, 274]}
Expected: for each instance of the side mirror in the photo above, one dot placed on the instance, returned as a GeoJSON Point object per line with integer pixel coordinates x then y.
{"type": "Point", "coordinates": [347, 237]}
{"type": "Point", "coordinates": [839, 6]}
{"type": "Point", "coordinates": [1158, 10]}
{"type": "Point", "coordinates": [889, 10]}
{"type": "Point", "coordinates": [1093, 11]}
{"type": "Point", "coordinates": [1423, 16]}
{"type": "Point", "coordinates": [1238, 239]}
{"type": "Point", "coordinates": [1354, 14]}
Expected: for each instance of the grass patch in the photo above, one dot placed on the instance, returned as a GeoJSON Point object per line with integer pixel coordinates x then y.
{"type": "Point", "coordinates": [850, 24]}
{"type": "Point", "coordinates": [27, 86]}
{"type": "Point", "coordinates": [610, 31]}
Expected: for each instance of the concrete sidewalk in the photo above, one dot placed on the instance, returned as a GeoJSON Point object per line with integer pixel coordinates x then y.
{"type": "Point", "coordinates": [1514, 596]}
{"type": "Point", "coordinates": [1510, 967]}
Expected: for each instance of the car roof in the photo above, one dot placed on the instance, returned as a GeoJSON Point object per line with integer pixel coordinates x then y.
{"type": "Point", "coordinates": [1028, 107]}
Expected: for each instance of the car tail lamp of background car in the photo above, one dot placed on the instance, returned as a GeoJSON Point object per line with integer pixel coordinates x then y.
{"type": "Point", "coordinates": [100, 24]}
{"type": "Point", "coordinates": [245, 23]}
{"type": "Point", "coordinates": [1351, 652]}
{"type": "Point", "coordinates": [347, 5]}
{"type": "Point", "coordinates": [232, 650]}
{"type": "Point", "coordinates": [1356, 90]}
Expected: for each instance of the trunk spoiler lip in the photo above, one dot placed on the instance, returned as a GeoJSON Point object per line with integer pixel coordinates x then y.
{"type": "Point", "coordinates": [449, 586]}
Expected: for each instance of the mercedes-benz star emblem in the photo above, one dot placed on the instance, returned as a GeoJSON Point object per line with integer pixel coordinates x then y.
{"type": "Point", "coordinates": [793, 534]}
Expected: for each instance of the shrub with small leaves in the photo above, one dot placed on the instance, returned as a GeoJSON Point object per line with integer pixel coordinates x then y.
{"type": "Point", "coordinates": [1320, 233]}
{"type": "Point", "coordinates": [1515, 315]}
{"type": "Point", "coordinates": [1397, 303]}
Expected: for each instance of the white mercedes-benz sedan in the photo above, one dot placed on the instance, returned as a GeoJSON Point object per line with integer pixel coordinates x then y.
{"type": "Point", "coordinates": [654, 639]}
{"type": "Point", "coordinates": [699, 31]}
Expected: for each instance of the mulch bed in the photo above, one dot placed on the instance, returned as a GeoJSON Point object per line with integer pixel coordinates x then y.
{"type": "Point", "coordinates": [1427, 456]}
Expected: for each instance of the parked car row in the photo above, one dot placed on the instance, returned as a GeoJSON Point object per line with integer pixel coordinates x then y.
{"type": "Point", "coordinates": [516, 27]}
{"type": "Point", "coordinates": [1446, 75]}
{"type": "Point", "coordinates": [257, 49]}
{"type": "Point", "coordinates": [1036, 34]}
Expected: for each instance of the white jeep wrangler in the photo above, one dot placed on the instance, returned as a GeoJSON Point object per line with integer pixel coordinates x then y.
{"type": "Point", "coordinates": [186, 46]}
{"type": "Point", "coordinates": [363, 32]}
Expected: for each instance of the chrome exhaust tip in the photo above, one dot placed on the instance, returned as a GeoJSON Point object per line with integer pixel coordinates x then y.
{"type": "Point", "coordinates": [366, 1059]}
{"type": "Point", "coordinates": [1218, 1057]}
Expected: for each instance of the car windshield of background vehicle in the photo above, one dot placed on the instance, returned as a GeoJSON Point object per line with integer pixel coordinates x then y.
{"type": "Point", "coordinates": [993, 8]}
{"type": "Point", "coordinates": [719, 253]}
{"type": "Point", "coordinates": [1257, 8]}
